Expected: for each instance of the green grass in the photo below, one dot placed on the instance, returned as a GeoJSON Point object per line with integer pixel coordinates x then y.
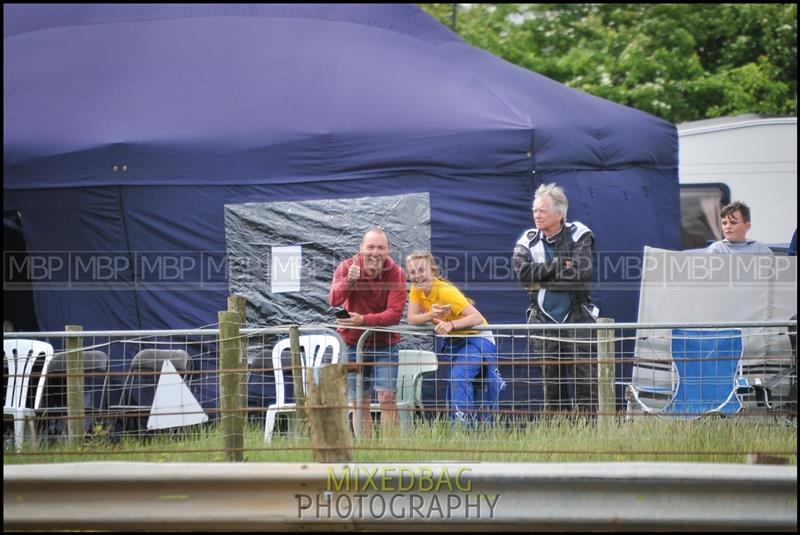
{"type": "Point", "coordinates": [551, 440]}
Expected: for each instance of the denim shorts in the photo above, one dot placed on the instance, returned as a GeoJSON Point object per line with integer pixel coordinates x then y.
{"type": "Point", "coordinates": [382, 376]}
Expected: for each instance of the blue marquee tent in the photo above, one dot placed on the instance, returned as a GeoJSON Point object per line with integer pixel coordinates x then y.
{"type": "Point", "coordinates": [129, 130]}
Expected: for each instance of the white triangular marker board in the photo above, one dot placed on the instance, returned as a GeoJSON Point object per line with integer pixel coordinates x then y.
{"type": "Point", "coordinates": [174, 405]}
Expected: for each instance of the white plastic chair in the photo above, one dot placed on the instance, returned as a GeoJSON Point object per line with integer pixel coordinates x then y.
{"type": "Point", "coordinates": [20, 357]}
{"type": "Point", "coordinates": [413, 363]}
{"type": "Point", "coordinates": [312, 351]}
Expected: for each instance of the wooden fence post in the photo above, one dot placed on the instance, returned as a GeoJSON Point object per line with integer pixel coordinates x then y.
{"type": "Point", "coordinates": [238, 304]}
{"type": "Point", "coordinates": [297, 374]}
{"type": "Point", "coordinates": [326, 411]}
{"type": "Point", "coordinates": [606, 398]}
{"type": "Point", "coordinates": [230, 379]}
{"type": "Point", "coordinates": [75, 386]}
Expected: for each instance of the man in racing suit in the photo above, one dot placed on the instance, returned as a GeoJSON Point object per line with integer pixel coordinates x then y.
{"type": "Point", "coordinates": [554, 262]}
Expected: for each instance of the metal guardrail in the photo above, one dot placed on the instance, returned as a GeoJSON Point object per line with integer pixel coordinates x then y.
{"type": "Point", "coordinates": [250, 331]}
{"type": "Point", "coordinates": [411, 497]}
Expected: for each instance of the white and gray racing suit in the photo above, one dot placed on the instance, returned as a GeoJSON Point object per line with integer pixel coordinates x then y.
{"type": "Point", "coordinates": [560, 263]}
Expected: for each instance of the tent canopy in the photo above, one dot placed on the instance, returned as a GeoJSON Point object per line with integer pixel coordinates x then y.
{"type": "Point", "coordinates": [128, 128]}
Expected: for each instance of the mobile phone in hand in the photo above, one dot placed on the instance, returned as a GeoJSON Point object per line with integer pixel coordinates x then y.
{"type": "Point", "coordinates": [341, 313]}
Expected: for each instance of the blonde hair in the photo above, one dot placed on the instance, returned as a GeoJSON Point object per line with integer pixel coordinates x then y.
{"type": "Point", "coordinates": [427, 255]}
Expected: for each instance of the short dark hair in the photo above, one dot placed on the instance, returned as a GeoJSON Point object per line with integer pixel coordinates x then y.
{"type": "Point", "coordinates": [737, 205]}
{"type": "Point", "coordinates": [379, 230]}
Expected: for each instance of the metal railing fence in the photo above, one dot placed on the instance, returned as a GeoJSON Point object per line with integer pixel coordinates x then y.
{"type": "Point", "coordinates": [642, 355]}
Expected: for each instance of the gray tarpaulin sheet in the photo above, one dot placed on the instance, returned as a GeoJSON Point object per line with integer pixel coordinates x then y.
{"type": "Point", "coordinates": [324, 232]}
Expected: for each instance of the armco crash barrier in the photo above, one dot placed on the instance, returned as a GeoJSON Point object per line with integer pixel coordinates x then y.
{"type": "Point", "coordinates": [262, 496]}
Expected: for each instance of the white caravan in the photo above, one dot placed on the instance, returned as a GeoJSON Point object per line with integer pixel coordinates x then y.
{"type": "Point", "coordinates": [746, 158]}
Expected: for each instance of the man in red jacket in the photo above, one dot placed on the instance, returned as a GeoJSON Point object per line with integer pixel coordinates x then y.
{"type": "Point", "coordinates": [372, 288]}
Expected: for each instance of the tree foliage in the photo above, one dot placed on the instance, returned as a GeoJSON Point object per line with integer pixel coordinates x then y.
{"type": "Point", "coordinates": [681, 62]}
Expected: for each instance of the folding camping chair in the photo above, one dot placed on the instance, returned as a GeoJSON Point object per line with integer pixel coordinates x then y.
{"type": "Point", "coordinates": [703, 375]}
{"type": "Point", "coordinates": [139, 389]}
{"type": "Point", "coordinates": [54, 399]}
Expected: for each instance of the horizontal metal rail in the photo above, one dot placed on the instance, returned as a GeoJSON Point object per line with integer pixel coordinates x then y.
{"type": "Point", "coordinates": [252, 331]}
{"type": "Point", "coordinates": [412, 497]}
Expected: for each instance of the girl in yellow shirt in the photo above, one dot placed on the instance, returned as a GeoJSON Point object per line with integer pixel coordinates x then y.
{"type": "Point", "coordinates": [473, 373]}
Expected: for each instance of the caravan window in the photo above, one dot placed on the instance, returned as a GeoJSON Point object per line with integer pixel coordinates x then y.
{"type": "Point", "coordinates": [700, 213]}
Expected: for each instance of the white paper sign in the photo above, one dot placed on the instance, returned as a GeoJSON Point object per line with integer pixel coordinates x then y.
{"type": "Point", "coordinates": [286, 262]}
